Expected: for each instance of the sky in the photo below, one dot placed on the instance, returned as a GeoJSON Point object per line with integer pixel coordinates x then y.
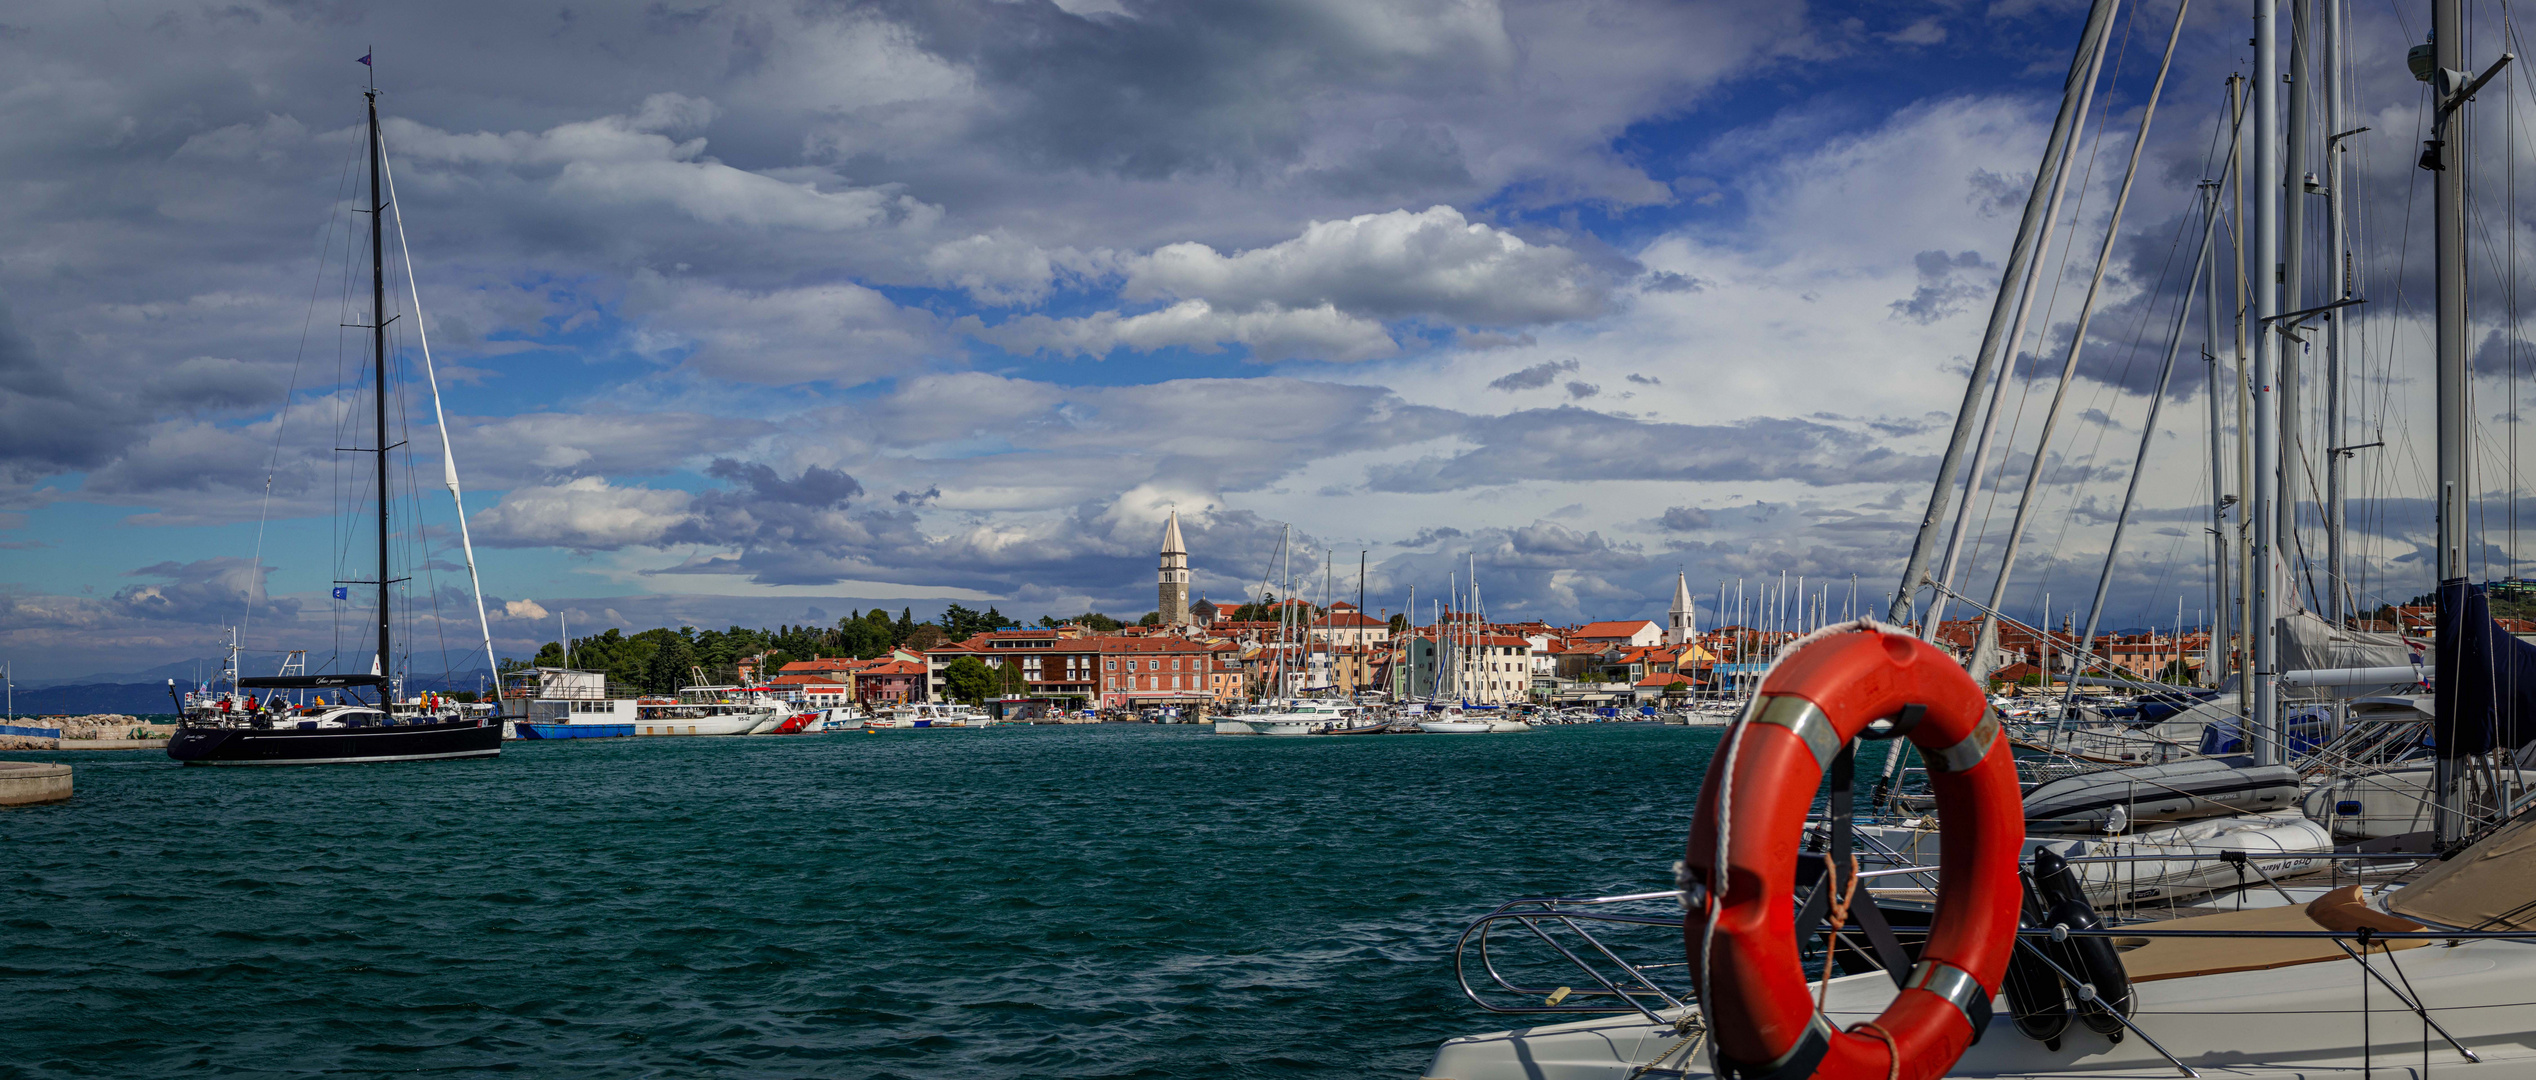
{"type": "Point", "coordinates": [765, 313]}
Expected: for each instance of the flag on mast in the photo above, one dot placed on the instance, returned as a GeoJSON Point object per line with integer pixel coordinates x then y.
{"type": "Point", "coordinates": [365, 60]}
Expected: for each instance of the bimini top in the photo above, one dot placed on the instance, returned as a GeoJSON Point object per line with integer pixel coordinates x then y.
{"type": "Point", "coordinates": [2490, 886]}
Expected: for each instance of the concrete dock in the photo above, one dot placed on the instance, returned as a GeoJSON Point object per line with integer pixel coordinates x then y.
{"type": "Point", "coordinates": [26, 783]}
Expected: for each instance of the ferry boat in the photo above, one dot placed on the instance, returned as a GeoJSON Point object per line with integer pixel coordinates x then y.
{"type": "Point", "coordinates": [565, 703]}
{"type": "Point", "coordinates": [709, 710]}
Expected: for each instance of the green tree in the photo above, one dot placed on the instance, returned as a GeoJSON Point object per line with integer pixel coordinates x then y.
{"type": "Point", "coordinates": [1152, 618]}
{"type": "Point", "coordinates": [906, 625]}
{"type": "Point", "coordinates": [666, 669]}
{"type": "Point", "coordinates": [968, 679]}
{"type": "Point", "coordinates": [924, 637]}
{"type": "Point", "coordinates": [1399, 625]}
{"type": "Point", "coordinates": [1010, 680]}
{"type": "Point", "coordinates": [862, 638]}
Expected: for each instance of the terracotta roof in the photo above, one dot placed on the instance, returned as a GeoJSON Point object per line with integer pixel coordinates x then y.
{"type": "Point", "coordinates": [1348, 620]}
{"type": "Point", "coordinates": [1664, 678]}
{"type": "Point", "coordinates": [1620, 629]}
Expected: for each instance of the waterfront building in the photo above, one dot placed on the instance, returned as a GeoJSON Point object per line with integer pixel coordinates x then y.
{"type": "Point", "coordinates": [1622, 632]}
{"type": "Point", "coordinates": [1344, 625]}
{"type": "Point", "coordinates": [1123, 670]}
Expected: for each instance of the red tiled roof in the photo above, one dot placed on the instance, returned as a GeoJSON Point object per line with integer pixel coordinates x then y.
{"type": "Point", "coordinates": [1619, 629]}
{"type": "Point", "coordinates": [1347, 620]}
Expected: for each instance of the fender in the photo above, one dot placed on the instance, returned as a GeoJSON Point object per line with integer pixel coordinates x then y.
{"type": "Point", "coordinates": [2037, 996]}
{"type": "Point", "coordinates": [2091, 958]}
{"type": "Point", "coordinates": [1740, 864]}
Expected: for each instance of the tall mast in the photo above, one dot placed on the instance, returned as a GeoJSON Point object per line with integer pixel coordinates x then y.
{"type": "Point", "coordinates": [2265, 496]}
{"type": "Point", "coordinates": [2215, 658]}
{"type": "Point", "coordinates": [2337, 244]}
{"type": "Point", "coordinates": [378, 367]}
{"type": "Point", "coordinates": [2293, 297]}
{"type": "Point", "coordinates": [2244, 386]}
{"type": "Point", "coordinates": [2446, 155]}
{"type": "Point", "coordinates": [2033, 230]}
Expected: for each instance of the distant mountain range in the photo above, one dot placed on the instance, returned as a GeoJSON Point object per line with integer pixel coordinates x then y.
{"type": "Point", "coordinates": [181, 671]}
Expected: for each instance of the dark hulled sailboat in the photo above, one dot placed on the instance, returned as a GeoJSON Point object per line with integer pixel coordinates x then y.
{"type": "Point", "coordinates": [347, 730]}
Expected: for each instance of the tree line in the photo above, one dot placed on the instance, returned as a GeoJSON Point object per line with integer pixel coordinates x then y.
{"type": "Point", "coordinates": [662, 659]}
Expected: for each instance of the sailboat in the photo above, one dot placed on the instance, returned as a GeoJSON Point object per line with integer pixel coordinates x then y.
{"type": "Point", "coordinates": [348, 729]}
{"type": "Point", "coordinates": [2424, 964]}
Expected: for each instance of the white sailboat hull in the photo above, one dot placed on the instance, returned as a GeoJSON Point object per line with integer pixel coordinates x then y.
{"type": "Point", "coordinates": [2282, 1023]}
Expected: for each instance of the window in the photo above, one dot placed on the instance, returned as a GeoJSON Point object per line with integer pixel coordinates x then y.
{"type": "Point", "coordinates": [1113, 665]}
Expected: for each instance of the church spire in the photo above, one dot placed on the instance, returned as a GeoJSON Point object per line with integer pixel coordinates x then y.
{"type": "Point", "coordinates": [1171, 581]}
{"type": "Point", "coordinates": [1683, 622]}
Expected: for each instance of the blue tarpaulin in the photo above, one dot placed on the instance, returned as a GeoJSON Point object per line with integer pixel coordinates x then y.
{"type": "Point", "coordinates": [2486, 682]}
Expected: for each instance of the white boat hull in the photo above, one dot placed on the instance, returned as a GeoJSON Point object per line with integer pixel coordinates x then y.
{"type": "Point", "coordinates": [1454, 727]}
{"type": "Point", "coordinates": [1234, 727]}
{"type": "Point", "coordinates": [731, 724]}
{"type": "Point", "coordinates": [2278, 1024]}
{"type": "Point", "coordinates": [2150, 877]}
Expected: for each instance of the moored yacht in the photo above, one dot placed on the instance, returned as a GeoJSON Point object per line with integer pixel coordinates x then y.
{"type": "Point", "coordinates": [267, 731]}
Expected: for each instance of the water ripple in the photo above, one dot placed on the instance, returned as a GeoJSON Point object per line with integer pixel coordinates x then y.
{"type": "Point", "coordinates": [1103, 903]}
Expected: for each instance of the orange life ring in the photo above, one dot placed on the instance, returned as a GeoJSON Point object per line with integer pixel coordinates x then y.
{"type": "Point", "coordinates": [1760, 1011]}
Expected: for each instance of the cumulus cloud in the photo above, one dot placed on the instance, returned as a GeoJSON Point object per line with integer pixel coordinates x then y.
{"type": "Point", "coordinates": [1534, 377]}
{"type": "Point", "coordinates": [1684, 519]}
{"type": "Point", "coordinates": [584, 515]}
{"type": "Point", "coordinates": [636, 160]}
{"type": "Point", "coordinates": [1387, 266]}
{"type": "Point", "coordinates": [1269, 333]}
{"type": "Point", "coordinates": [1570, 443]}
{"type": "Point", "coordinates": [841, 332]}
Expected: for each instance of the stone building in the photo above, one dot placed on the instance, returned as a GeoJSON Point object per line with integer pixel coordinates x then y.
{"type": "Point", "coordinates": [1172, 580]}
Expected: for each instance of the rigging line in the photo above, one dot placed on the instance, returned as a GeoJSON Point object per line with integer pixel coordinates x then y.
{"type": "Point", "coordinates": [1971, 546]}
{"type": "Point", "coordinates": [2077, 340]}
{"type": "Point", "coordinates": [2111, 388]}
{"type": "Point", "coordinates": [449, 456]}
{"type": "Point", "coordinates": [281, 423]}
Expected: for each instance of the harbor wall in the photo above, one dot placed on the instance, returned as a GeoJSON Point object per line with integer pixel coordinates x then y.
{"type": "Point", "coordinates": [26, 783]}
{"type": "Point", "coordinates": [96, 731]}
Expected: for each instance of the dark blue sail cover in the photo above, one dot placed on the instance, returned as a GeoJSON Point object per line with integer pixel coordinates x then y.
{"type": "Point", "coordinates": [2486, 681]}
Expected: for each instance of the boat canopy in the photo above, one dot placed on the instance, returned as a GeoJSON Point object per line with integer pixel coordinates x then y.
{"type": "Point", "coordinates": [308, 682]}
{"type": "Point", "coordinates": [2483, 888]}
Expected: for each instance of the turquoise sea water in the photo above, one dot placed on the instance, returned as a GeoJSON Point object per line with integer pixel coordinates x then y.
{"type": "Point", "coordinates": [1121, 901]}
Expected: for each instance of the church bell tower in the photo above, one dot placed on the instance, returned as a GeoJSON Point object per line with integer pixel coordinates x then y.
{"type": "Point", "coordinates": [1683, 624]}
{"type": "Point", "coordinates": [1172, 580]}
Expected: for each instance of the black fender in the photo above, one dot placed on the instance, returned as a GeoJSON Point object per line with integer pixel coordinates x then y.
{"type": "Point", "coordinates": [2038, 998]}
{"type": "Point", "coordinates": [2099, 963]}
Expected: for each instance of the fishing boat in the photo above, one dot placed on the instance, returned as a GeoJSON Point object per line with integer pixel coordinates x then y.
{"type": "Point", "coordinates": [312, 730]}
